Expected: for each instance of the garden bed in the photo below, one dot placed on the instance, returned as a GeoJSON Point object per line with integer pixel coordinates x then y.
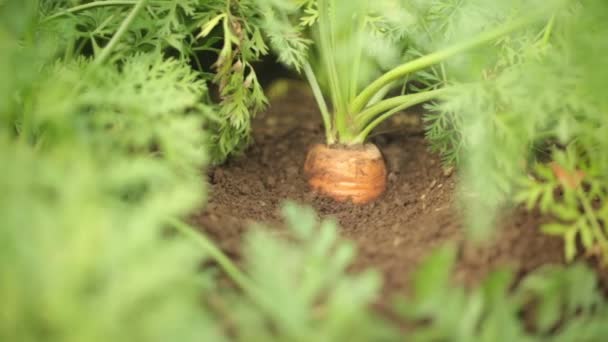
{"type": "Point", "coordinates": [393, 234]}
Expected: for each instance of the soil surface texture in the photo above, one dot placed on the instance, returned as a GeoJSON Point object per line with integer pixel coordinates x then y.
{"type": "Point", "coordinates": [393, 234]}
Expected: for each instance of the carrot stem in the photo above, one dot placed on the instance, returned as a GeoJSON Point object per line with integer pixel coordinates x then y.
{"type": "Point", "coordinates": [433, 58]}
{"type": "Point", "coordinates": [217, 255]}
{"type": "Point", "coordinates": [105, 53]}
{"type": "Point", "coordinates": [89, 6]}
{"type": "Point", "coordinates": [316, 90]}
{"type": "Point", "coordinates": [405, 101]}
{"type": "Point", "coordinates": [370, 113]}
{"type": "Point", "coordinates": [593, 222]}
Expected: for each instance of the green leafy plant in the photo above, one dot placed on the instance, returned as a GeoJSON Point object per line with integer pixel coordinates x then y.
{"type": "Point", "coordinates": [99, 159]}
{"type": "Point", "coordinates": [297, 288]}
{"type": "Point", "coordinates": [94, 158]}
{"type": "Point", "coordinates": [112, 30]}
{"type": "Point", "coordinates": [358, 54]}
{"type": "Point", "coordinates": [79, 262]}
{"type": "Point", "coordinates": [232, 25]}
{"type": "Point", "coordinates": [551, 304]}
{"type": "Point", "coordinates": [527, 123]}
{"type": "Point", "coordinates": [356, 58]}
{"type": "Point", "coordinates": [100, 156]}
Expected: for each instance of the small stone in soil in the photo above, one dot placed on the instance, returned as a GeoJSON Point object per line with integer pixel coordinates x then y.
{"type": "Point", "coordinates": [271, 181]}
{"type": "Point", "coordinates": [258, 185]}
{"type": "Point", "coordinates": [447, 172]}
{"type": "Point", "coordinates": [402, 202]}
{"type": "Point", "coordinates": [244, 189]}
{"type": "Point", "coordinates": [218, 175]}
{"type": "Point", "coordinates": [392, 177]}
{"type": "Point", "coordinates": [309, 196]}
{"type": "Point", "coordinates": [394, 163]}
{"type": "Point", "coordinates": [271, 121]}
{"type": "Point", "coordinates": [292, 171]}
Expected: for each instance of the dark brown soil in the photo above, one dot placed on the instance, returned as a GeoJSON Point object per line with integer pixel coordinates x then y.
{"type": "Point", "coordinates": [416, 214]}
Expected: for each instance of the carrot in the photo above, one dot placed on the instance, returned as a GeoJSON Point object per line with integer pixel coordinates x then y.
{"type": "Point", "coordinates": [356, 174]}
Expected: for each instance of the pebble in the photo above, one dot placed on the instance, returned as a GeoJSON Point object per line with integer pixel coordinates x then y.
{"type": "Point", "coordinates": [398, 240]}
{"type": "Point", "coordinates": [309, 197]}
{"type": "Point", "coordinates": [399, 202]}
{"type": "Point", "coordinates": [271, 181]}
{"type": "Point", "coordinates": [244, 189]}
{"type": "Point", "coordinates": [292, 171]}
{"type": "Point", "coordinates": [258, 185]}
{"type": "Point", "coordinates": [447, 172]}
{"type": "Point", "coordinates": [272, 121]}
{"type": "Point", "coordinates": [218, 175]}
{"type": "Point", "coordinates": [392, 177]}
{"type": "Point", "coordinates": [394, 163]}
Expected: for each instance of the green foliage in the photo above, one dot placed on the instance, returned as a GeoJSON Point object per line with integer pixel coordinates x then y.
{"type": "Point", "coordinates": [302, 289]}
{"type": "Point", "coordinates": [341, 55]}
{"type": "Point", "coordinates": [551, 304]}
{"type": "Point", "coordinates": [356, 60]}
{"type": "Point", "coordinates": [579, 209]}
{"type": "Point", "coordinates": [80, 263]}
{"type": "Point", "coordinates": [297, 290]}
{"type": "Point", "coordinates": [92, 24]}
{"type": "Point", "coordinates": [172, 28]}
{"type": "Point", "coordinates": [240, 93]}
{"type": "Point", "coordinates": [101, 147]}
{"type": "Point", "coordinates": [536, 95]}
{"type": "Point", "coordinates": [94, 158]}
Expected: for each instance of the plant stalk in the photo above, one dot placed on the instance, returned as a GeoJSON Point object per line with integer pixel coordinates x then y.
{"type": "Point", "coordinates": [326, 39]}
{"type": "Point", "coordinates": [593, 222]}
{"type": "Point", "coordinates": [239, 278]}
{"type": "Point", "coordinates": [406, 101]}
{"type": "Point", "coordinates": [89, 6]}
{"type": "Point", "coordinates": [316, 90]}
{"type": "Point", "coordinates": [381, 94]}
{"type": "Point", "coordinates": [428, 60]}
{"type": "Point", "coordinates": [370, 113]}
{"type": "Point", "coordinates": [105, 53]}
{"type": "Point", "coordinates": [548, 30]}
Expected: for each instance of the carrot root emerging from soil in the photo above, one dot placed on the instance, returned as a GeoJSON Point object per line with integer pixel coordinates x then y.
{"type": "Point", "coordinates": [356, 174]}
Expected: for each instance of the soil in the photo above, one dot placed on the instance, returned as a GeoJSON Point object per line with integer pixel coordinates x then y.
{"type": "Point", "coordinates": [394, 233]}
